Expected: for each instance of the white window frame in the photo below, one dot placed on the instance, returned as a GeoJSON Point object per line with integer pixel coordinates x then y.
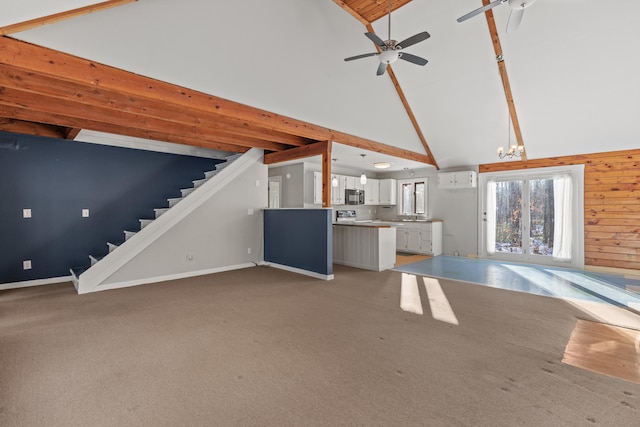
{"type": "Point", "coordinates": [576, 172]}
{"type": "Point", "coordinates": [413, 182]}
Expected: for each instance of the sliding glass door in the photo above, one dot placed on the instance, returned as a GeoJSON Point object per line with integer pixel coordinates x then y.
{"type": "Point", "coordinates": [532, 217]}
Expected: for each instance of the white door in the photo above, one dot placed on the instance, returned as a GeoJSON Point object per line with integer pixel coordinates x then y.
{"type": "Point", "coordinates": [274, 192]}
{"type": "Point", "coordinates": [532, 217]}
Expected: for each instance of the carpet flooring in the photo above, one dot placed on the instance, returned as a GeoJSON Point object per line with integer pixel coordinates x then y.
{"type": "Point", "coordinates": [263, 347]}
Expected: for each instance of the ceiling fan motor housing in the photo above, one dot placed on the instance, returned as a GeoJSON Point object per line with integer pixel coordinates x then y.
{"type": "Point", "coordinates": [520, 4]}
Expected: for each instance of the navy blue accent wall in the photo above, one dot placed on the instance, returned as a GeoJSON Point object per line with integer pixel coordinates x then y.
{"type": "Point", "coordinates": [300, 238]}
{"type": "Point", "coordinates": [56, 179]}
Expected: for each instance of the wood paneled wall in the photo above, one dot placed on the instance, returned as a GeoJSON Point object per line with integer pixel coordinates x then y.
{"type": "Point", "coordinates": [611, 204]}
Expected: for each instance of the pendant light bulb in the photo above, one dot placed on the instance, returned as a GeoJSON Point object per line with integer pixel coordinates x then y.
{"type": "Point", "coordinates": [363, 177]}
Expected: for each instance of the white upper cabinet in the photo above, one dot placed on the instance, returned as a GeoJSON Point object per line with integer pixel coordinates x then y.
{"type": "Point", "coordinates": [454, 180]}
{"type": "Point", "coordinates": [387, 192]}
{"type": "Point", "coordinates": [372, 192]}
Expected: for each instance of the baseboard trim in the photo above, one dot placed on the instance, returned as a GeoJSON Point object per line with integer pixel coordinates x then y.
{"type": "Point", "coordinates": [300, 271]}
{"type": "Point", "coordinates": [178, 276]}
{"type": "Point", "coordinates": [39, 282]}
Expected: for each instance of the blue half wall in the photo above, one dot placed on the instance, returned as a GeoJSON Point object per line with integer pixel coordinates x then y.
{"type": "Point", "coordinates": [299, 238]}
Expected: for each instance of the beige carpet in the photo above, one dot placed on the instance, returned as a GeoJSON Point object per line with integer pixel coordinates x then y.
{"type": "Point", "coordinates": [266, 347]}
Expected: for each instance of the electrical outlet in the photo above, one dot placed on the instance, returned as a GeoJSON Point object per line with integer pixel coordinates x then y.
{"type": "Point", "coordinates": [85, 213]}
{"type": "Point", "coordinates": [26, 213]}
{"type": "Point", "coordinates": [250, 212]}
{"type": "Point", "coordinates": [26, 265]}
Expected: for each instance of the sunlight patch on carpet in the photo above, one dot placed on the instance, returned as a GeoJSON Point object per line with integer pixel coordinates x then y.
{"type": "Point", "coordinates": [605, 349]}
{"type": "Point", "coordinates": [410, 295]}
{"type": "Point", "coordinates": [440, 307]}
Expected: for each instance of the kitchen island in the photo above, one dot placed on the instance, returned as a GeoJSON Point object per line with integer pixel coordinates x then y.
{"type": "Point", "coordinates": [367, 245]}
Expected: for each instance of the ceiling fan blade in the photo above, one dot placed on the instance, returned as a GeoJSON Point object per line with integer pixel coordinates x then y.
{"type": "Point", "coordinates": [480, 10]}
{"type": "Point", "coordinates": [381, 69]}
{"type": "Point", "coordinates": [515, 17]}
{"type": "Point", "coordinates": [412, 58]}
{"type": "Point", "coordinates": [364, 55]}
{"type": "Point", "coordinates": [413, 40]}
{"type": "Point", "coordinates": [374, 38]}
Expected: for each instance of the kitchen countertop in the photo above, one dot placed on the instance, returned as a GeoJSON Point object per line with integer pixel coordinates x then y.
{"type": "Point", "coordinates": [384, 223]}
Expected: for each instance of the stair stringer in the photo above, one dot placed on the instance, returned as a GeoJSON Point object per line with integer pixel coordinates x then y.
{"type": "Point", "coordinates": [93, 279]}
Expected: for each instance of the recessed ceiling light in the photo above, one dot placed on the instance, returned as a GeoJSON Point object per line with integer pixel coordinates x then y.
{"type": "Point", "coordinates": [381, 165]}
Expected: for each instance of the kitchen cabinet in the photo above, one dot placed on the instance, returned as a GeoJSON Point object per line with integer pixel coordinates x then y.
{"type": "Point", "coordinates": [420, 237]}
{"type": "Point", "coordinates": [455, 180]}
{"type": "Point", "coordinates": [387, 192]}
{"type": "Point", "coordinates": [368, 247]}
{"type": "Point", "coordinates": [350, 182]}
{"type": "Point", "coordinates": [372, 192]}
{"type": "Point", "coordinates": [337, 193]}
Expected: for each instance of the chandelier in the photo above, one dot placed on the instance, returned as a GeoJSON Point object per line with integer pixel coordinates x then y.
{"type": "Point", "coordinates": [513, 150]}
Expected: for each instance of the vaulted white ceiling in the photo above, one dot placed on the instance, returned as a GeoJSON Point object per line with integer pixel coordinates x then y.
{"type": "Point", "coordinates": [573, 67]}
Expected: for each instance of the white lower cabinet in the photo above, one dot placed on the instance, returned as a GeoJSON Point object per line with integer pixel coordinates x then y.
{"type": "Point", "coordinates": [420, 238]}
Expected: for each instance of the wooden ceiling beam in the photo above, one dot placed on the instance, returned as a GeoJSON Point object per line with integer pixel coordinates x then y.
{"type": "Point", "coordinates": [497, 47]}
{"type": "Point", "coordinates": [100, 126]}
{"type": "Point", "coordinates": [351, 12]}
{"type": "Point", "coordinates": [46, 20]}
{"type": "Point", "coordinates": [10, 96]}
{"type": "Point", "coordinates": [141, 107]}
{"type": "Point", "coordinates": [31, 128]}
{"type": "Point", "coordinates": [71, 133]}
{"type": "Point", "coordinates": [28, 57]}
{"type": "Point", "coordinates": [297, 153]}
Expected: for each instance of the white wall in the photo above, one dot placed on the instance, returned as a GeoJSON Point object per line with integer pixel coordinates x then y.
{"type": "Point", "coordinates": [214, 237]}
{"type": "Point", "coordinates": [292, 189]}
{"type": "Point", "coordinates": [458, 210]}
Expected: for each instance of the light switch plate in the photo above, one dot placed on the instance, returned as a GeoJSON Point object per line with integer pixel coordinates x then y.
{"type": "Point", "coordinates": [250, 211]}
{"type": "Point", "coordinates": [85, 213]}
{"type": "Point", "coordinates": [26, 265]}
{"type": "Point", "coordinates": [26, 213]}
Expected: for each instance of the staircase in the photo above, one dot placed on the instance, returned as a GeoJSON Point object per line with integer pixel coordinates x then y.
{"type": "Point", "coordinates": [144, 222]}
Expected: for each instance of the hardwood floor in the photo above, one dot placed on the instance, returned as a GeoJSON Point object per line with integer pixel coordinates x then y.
{"type": "Point", "coordinates": [404, 259]}
{"type": "Point", "coordinates": [605, 349]}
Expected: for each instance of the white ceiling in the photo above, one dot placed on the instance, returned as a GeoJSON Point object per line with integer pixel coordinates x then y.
{"type": "Point", "coordinates": [573, 67]}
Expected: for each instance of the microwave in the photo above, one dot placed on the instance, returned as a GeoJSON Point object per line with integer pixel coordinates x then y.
{"type": "Point", "coordinates": [354, 197]}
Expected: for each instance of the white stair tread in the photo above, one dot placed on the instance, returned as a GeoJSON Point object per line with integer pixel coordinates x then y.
{"type": "Point", "coordinates": [111, 246]}
{"type": "Point", "coordinates": [198, 182]}
{"type": "Point", "coordinates": [210, 174]}
{"type": "Point", "coordinates": [144, 223]}
{"type": "Point", "coordinates": [174, 201]}
{"type": "Point", "coordinates": [128, 234]}
{"type": "Point", "coordinates": [160, 211]}
{"type": "Point", "coordinates": [186, 191]}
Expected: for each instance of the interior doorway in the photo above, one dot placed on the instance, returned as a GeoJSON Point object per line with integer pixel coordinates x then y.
{"type": "Point", "coordinates": [274, 188]}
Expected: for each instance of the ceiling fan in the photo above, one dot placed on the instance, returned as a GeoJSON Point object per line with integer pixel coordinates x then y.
{"type": "Point", "coordinates": [391, 50]}
{"type": "Point", "coordinates": [515, 17]}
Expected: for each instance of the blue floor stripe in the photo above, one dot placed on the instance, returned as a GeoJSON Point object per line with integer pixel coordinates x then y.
{"type": "Point", "coordinates": [534, 279]}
